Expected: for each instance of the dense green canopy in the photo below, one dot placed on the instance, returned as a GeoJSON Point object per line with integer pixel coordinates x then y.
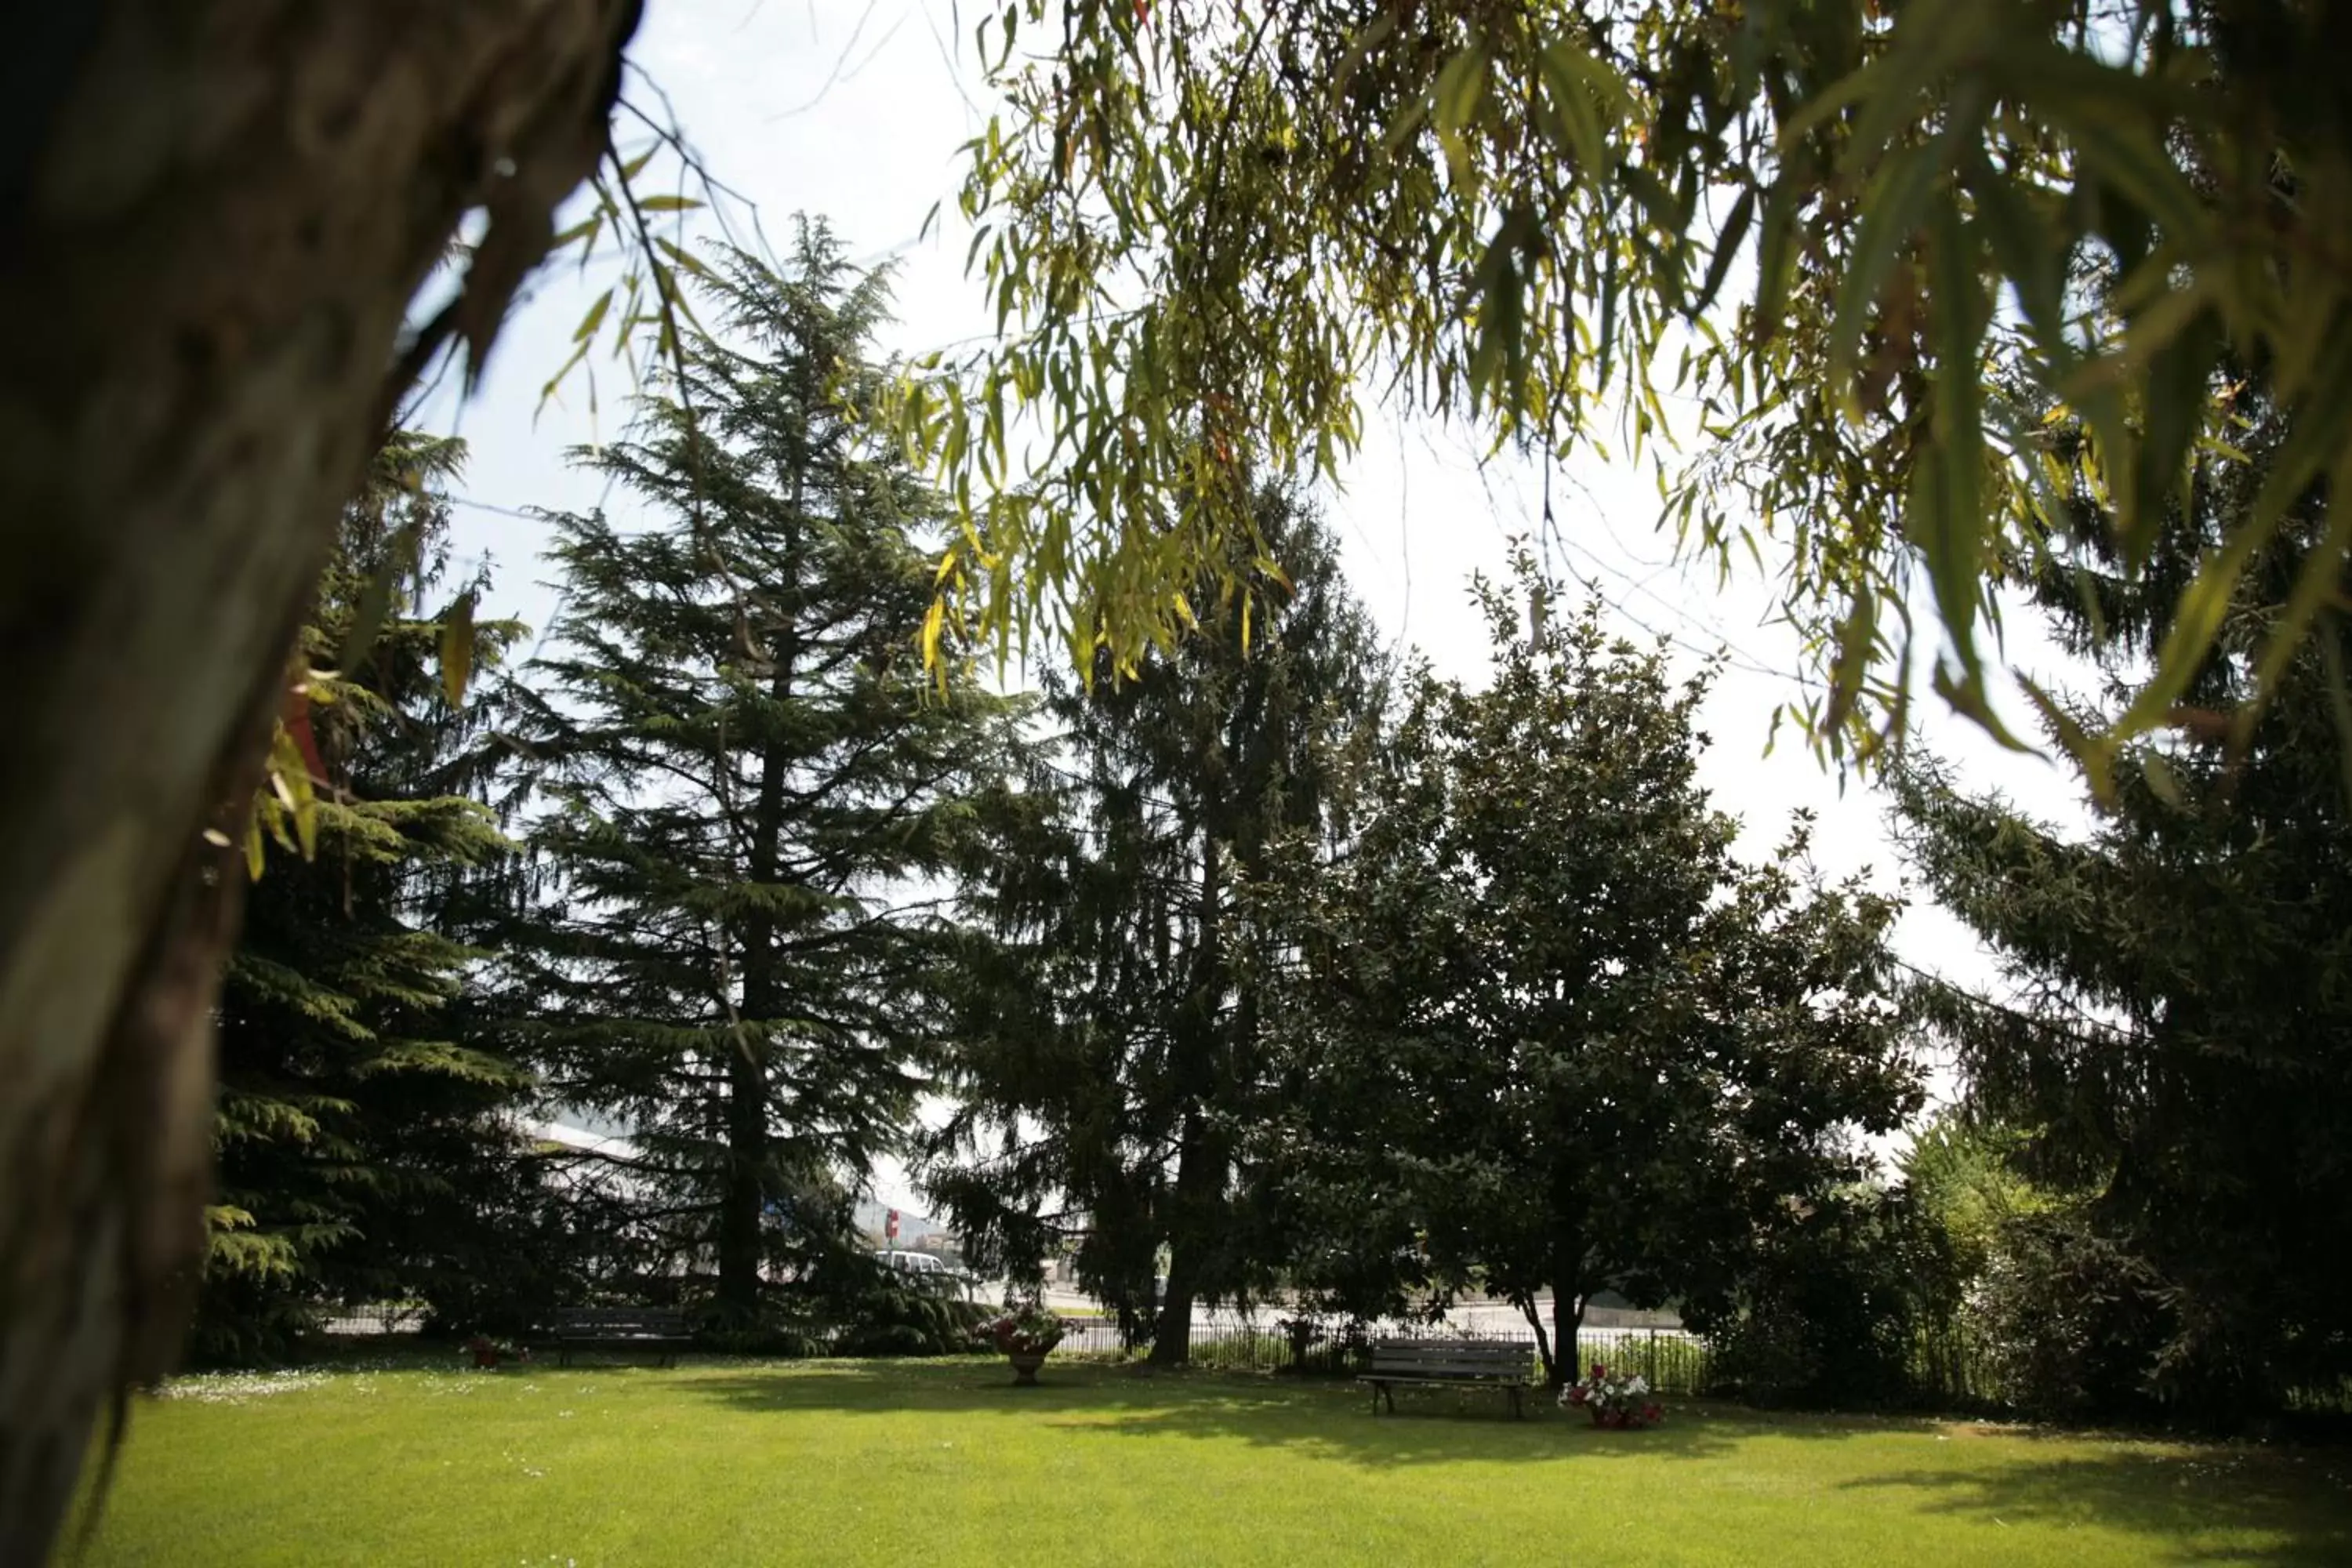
{"type": "Point", "coordinates": [359, 1106]}
{"type": "Point", "coordinates": [1116, 1064]}
{"type": "Point", "coordinates": [2179, 1048]}
{"type": "Point", "coordinates": [1540, 1032]}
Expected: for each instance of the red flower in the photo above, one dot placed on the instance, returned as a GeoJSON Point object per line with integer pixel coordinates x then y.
{"type": "Point", "coordinates": [1599, 1371]}
{"type": "Point", "coordinates": [1576, 1394]}
{"type": "Point", "coordinates": [1652, 1412]}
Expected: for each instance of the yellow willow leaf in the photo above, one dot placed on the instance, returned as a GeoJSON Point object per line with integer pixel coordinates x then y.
{"type": "Point", "coordinates": [458, 649]}
{"type": "Point", "coordinates": [935, 622]}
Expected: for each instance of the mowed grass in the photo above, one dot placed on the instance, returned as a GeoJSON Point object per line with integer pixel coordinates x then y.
{"type": "Point", "coordinates": [944, 1462]}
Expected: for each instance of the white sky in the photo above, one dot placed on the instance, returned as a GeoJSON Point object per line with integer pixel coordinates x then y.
{"type": "Point", "coordinates": [856, 111]}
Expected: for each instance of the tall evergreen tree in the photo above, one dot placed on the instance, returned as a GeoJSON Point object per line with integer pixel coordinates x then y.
{"type": "Point", "coordinates": [756, 787]}
{"type": "Point", "coordinates": [1121, 1061]}
{"type": "Point", "coordinates": [2182, 1047]}
{"type": "Point", "coordinates": [360, 1111]}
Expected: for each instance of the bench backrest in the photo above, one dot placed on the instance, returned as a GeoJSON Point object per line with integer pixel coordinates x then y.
{"type": "Point", "coordinates": [620, 1323]}
{"type": "Point", "coordinates": [1505, 1359]}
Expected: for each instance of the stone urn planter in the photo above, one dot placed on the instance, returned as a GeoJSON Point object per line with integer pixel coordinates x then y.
{"type": "Point", "coordinates": [1026, 1335]}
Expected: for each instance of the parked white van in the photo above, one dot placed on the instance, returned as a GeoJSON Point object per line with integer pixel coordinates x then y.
{"type": "Point", "coordinates": [926, 1269]}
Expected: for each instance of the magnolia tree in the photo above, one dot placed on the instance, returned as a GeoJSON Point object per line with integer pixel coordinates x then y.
{"type": "Point", "coordinates": [1545, 1033]}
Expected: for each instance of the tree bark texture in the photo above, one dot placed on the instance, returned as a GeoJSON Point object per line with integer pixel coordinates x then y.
{"type": "Point", "coordinates": [741, 1243]}
{"type": "Point", "coordinates": [1197, 1213]}
{"type": "Point", "coordinates": [1200, 1170]}
{"type": "Point", "coordinates": [213, 216]}
{"type": "Point", "coordinates": [1544, 1354]}
{"type": "Point", "coordinates": [744, 1189]}
{"type": "Point", "coordinates": [1566, 1323]}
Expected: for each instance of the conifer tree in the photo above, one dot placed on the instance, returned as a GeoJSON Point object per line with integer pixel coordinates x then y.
{"type": "Point", "coordinates": [757, 789]}
{"type": "Point", "coordinates": [360, 1113]}
{"type": "Point", "coordinates": [2180, 1048]}
{"type": "Point", "coordinates": [1119, 1064]}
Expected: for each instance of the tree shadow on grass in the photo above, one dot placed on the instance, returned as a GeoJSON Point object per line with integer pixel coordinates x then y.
{"type": "Point", "coordinates": [2295, 1505]}
{"type": "Point", "coordinates": [1430, 1427]}
{"type": "Point", "coordinates": [1335, 1417]}
{"type": "Point", "coordinates": [2173, 1497]}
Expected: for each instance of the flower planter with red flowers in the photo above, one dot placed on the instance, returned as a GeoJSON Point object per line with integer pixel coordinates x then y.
{"type": "Point", "coordinates": [1620, 1404]}
{"type": "Point", "coordinates": [1026, 1335]}
{"type": "Point", "coordinates": [489, 1352]}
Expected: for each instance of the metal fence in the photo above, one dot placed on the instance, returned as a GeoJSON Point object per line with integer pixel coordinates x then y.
{"type": "Point", "coordinates": [364, 1319]}
{"type": "Point", "coordinates": [1949, 1370]}
{"type": "Point", "coordinates": [1673, 1361]}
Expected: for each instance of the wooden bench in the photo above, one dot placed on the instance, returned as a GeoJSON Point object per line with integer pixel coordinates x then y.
{"type": "Point", "coordinates": [1507, 1365]}
{"type": "Point", "coordinates": [661, 1329]}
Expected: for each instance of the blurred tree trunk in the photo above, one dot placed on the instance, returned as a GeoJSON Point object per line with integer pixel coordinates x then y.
{"type": "Point", "coordinates": [1200, 1209]}
{"type": "Point", "coordinates": [214, 215]}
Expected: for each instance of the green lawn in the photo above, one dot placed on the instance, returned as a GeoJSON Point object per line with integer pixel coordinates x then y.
{"type": "Point", "coordinates": [943, 1462]}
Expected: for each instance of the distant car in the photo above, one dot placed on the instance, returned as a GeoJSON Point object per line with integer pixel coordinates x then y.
{"type": "Point", "coordinates": [926, 1269]}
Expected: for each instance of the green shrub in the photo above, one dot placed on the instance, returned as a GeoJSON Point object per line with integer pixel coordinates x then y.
{"type": "Point", "coordinates": [2073, 1325]}
{"type": "Point", "coordinates": [243, 1323]}
{"type": "Point", "coordinates": [894, 1321]}
{"type": "Point", "coordinates": [1828, 1315]}
{"type": "Point", "coordinates": [890, 1340]}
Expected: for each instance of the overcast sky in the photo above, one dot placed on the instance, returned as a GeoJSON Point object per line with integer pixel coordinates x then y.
{"type": "Point", "coordinates": [855, 112]}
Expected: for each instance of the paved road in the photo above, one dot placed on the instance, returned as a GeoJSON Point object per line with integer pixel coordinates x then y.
{"type": "Point", "coordinates": [1470, 1317]}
